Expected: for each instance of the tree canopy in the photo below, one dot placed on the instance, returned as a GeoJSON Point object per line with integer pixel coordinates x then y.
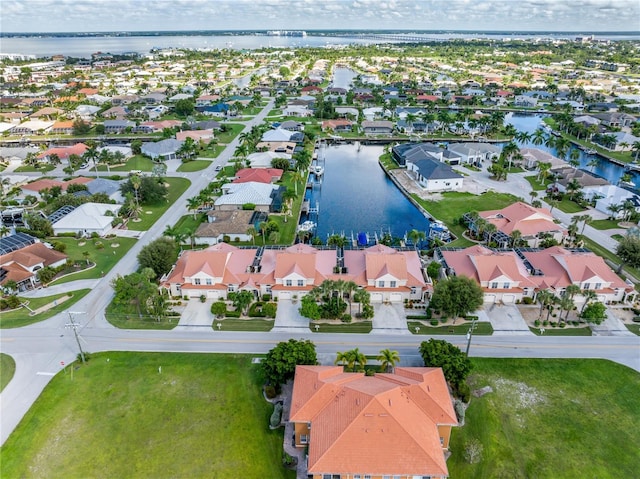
{"type": "Point", "coordinates": [159, 255]}
{"type": "Point", "coordinates": [150, 190]}
{"type": "Point", "coordinates": [280, 363]}
{"type": "Point", "coordinates": [628, 250]}
{"type": "Point", "coordinates": [457, 296]}
{"type": "Point", "coordinates": [438, 353]}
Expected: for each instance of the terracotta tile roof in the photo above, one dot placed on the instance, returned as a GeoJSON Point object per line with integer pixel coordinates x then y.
{"type": "Point", "coordinates": [40, 185]}
{"type": "Point", "coordinates": [17, 262]}
{"type": "Point", "coordinates": [383, 424]}
{"type": "Point", "coordinates": [65, 152]}
{"type": "Point", "coordinates": [260, 175]}
{"type": "Point", "coordinates": [522, 217]}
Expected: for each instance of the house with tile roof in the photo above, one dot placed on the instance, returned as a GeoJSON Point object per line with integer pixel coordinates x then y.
{"type": "Point", "coordinates": [35, 187]}
{"type": "Point", "coordinates": [64, 152]}
{"type": "Point", "coordinates": [508, 276]}
{"type": "Point", "coordinates": [259, 175]}
{"type": "Point", "coordinates": [381, 426]}
{"type": "Point", "coordinates": [532, 223]}
{"type": "Point", "coordinates": [387, 274]}
{"type": "Point", "coordinates": [23, 264]}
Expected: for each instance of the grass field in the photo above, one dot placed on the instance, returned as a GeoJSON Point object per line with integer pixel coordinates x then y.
{"type": "Point", "coordinates": [42, 168]}
{"type": "Point", "coordinates": [454, 204]}
{"type": "Point", "coordinates": [355, 327]}
{"type": "Point", "coordinates": [202, 416]}
{"type": "Point", "coordinates": [195, 165]}
{"type": "Point", "coordinates": [569, 206]}
{"type": "Point", "coordinates": [7, 370]}
{"type": "Point", "coordinates": [548, 331]}
{"type": "Point", "coordinates": [480, 329]}
{"type": "Point", "coordinates": [255, 324]}
{"type": "Point", "coordinates": [233, 130]}
{"type": "Point", "coordinates": [177, 186]}
{"type": "Point", "coordinates": [188, 224]}
{"type": "Point", "coordinates": [105, 258]}
{"type": "Point", "coordinates": [537, 185]}
{"type": "Point", "coordinates": [136, 162]}
{"type": "Point", "coordinates": [20, 317]}
{"type": "Point", "coordinates": [604, 224]}
{"type": "Point", "coordinates": [551, 419]}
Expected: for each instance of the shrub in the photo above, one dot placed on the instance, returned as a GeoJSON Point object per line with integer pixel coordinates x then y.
{"type": "Point", "coordinates": [270, 391]}
{"type": "Point", "coordinates": [269, 310]}
{"type": "Point", "coordinates": [274, 421]}
{"type": "Point", "coordinates": [266, 297]}
{"type": "Point", "coordinates": [345, 318]}
{"type": "Point", "coordinates": [12, 301]}
{"type": "Point", "coordinates": [203, 298]}
{"type": "Point", "coordinates": [219, 309]}
{"type": "Point", "coordinates": [536, 322]}
{"type": "Point", "coordinates": [428, 313]}
{"type": "Point", "coordinates": [527, 300]}
{"type": "Point", "coordinates": [434, 322]}
{"type": "Point", "coordinates": [233, 314]}
{"type": "Point", "coordinates": [61, 247]}
{"type": "Point", "coordinates": [460, 410]}
{"type": "Point", "coordinates": [463, 392]}
{"type": "Point", "coordinates": [249, 206]}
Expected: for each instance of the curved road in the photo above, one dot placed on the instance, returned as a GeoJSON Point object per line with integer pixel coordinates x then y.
{"type": "Point", "coordinates": [40, 349]}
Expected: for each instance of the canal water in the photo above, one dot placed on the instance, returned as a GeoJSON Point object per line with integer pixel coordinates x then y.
{"type": "Point", "coordinates": [354, 195]}
{"type": "Point", "coordinates": [605, 168]}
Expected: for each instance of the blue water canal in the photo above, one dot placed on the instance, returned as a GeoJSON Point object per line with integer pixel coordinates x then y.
{"type": "Point", "coordinates": [354, 195]}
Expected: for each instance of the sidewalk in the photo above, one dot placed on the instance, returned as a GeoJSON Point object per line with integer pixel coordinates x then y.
{"type": "Point", "coordinates": [61, 288]}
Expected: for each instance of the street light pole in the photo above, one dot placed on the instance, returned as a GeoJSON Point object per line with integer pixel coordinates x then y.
{"type": "Point", "coordinates": [73, 325]}
{"type": "Point", "coordinates": [469, 336]}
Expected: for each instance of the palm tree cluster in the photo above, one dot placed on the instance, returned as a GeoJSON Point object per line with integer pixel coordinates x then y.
{"type": "Point", "coordinates": [355, 361]}
{"type": "Point", "coordinates": [565, 302]}
{"type": "Point", "coordinates": [333, 293]}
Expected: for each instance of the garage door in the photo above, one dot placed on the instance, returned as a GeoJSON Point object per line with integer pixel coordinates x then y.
{"type": "Point", "coordinates": [213, 294]}
{"type": "Point", "coordinates": [489, 298]}
{"type": "Point", "coordinates": [284, 295]}
{"type": "Point", "coordinates": [376, 297]}
{"type": "Point", "coordinates": [395, 297]}
{"type": "Point", "coordinates": [508, 298]}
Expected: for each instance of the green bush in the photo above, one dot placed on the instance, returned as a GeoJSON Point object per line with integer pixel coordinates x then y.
{"type": "Point", "coordinates": [233, 314]}
{"type": "Point", "coordinates": [274, 421]}
{"type": "Point", "coordinates": [428, 313]}
{"type": "Point", "coordinates": [527, 300]}
{"type": "Point", "coordinates": [266, 297]}
{"type": "Point", "coordinates": [345, 318]}
{"type": "Point", "coordinates": [463, 391]}
{"type": "Point", "coordinates": [270, 391]}
{"type": "Point", "coordinates": [536, 322]}
{"type": "Point", "coordinates": [249, 206]}
{"type": "Point", "coordinates": [269, 310]}
{"type": "Point", "coordinates": [219, 309]}
{"type": "Point", "coordinates": [562, 325]}
{"type": "Point", "coordinates": [434, 322]}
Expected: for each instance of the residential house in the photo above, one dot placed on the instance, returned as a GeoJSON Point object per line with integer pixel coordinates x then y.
{"type": "Point", "coordinates": [291, 125]}
{"type": "Point", "coordinates": [387, 274]}
{"type": "Point", "coordinates": [433, 175]}
{"type": "Point", "coordinates": [285, 147]}
{"type": "Point", "coordinates": [118, 112]}
{"type": "Point", "coordinates": [162, 150]}
{"type": "Point", "coordinates": [565, 175]}
{"type": "Point", "coordinates": [616, 120]}
{"type": "Point", "coordinates": [86, 112]}
{"type": "Point", "coordinates": [196, 135]}
{"type": "Point", "coordinates": [380, 127]}
{"type": "Point", "coordinates": [62, 128]}
{"type": "Point", "coordinates": [64, 152]}
{"type": "Point", "coordinates": [532, 223]}
{"type": "Point", "coordinates": [35, 187]}
{"type": "Point", "coordinates": [205, 100]}
{"type": "Point", "coordinates": [232, 224]}
{"type": "Point", "coordinates": [302, 111]}
{"type": "Point", "coordinates": [87, 219]}
{"type": "Point", "coordinates": [532, 157]}
{"type": "Point", "coordinates": [32, 127]}
{"type": "Point", "coordinates": [265, 196]}
{"type": "Point", "coordinates": [154, 98]}
{"type": "Point", "coordinates": [47, 113]}
{"type": "Point", "coordinates": [337, 126]}
{"type": "Point", "coordinates": [118, 126]}
{"type": "Point", "coordinates": [127, 99]}
{"type": "Point", "coordinates": [259, 175]}
{"type": "Point", "coordinates": [23, 264]}
{"type": "Point", "coordinates": [217, 110]}
{"type": "Point", "coordinates": [386, 425]}
{"type": "Point", "coordinates": [475, 153]}
{"type": "Point", "coordinates": [263, 159]}
{"type": "Point", "coordinates": [156, 126]}
{"type": "Point", "coordinates": [525, 101]}
{"type": "Point", "coordinates": [282, 135]}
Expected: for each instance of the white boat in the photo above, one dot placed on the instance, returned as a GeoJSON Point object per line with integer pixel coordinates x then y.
{"type": "Point", "coordinates": [318, 170]}
{"type": "Point", "coordinates": [306, 226]}
{"type": "Point", "coordinates": [590, 151]}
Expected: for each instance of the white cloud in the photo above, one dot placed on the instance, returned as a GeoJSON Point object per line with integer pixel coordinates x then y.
{"type": "Point", "coordinates": [104, 15]}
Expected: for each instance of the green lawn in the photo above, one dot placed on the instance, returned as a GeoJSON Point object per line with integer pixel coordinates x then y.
{"type": "Point", "coordinates": [212, 151]}
{"type": "Point", "coordinates": [188, 224]}
{"type": "Point", "coordinates": [604, 224]}
{"type": "Point", "coordinates": [454, 204]}
{"type": "Point", "coordinates": [104, 258]}
{"type": "Point", "coordinates": [253, 324]}
{"type": "Point", "coordinates": [634, 328]}
{"type": "Point", "coordinates": [150, 415]}
{"type": "Point", "coordinates": [136, 162]}
{"type": "Point", "coordinates": [195, 165]}
{"type": "Point", "coordinates": [537, 185]}
{"type": "Point", "coordinates": [7, 370]}
{"type": "Point", "coordinates": [549, 331]}
{"type": "Point", "coordinates": [480, 329]}
{"type": "Point", "coordinates": [43, 168]}
{"type": "Point", "coordinates": [177, 186]}
{"type": "Point", "coordinates": [551, 418]}
{"type": "Point", "coordinates": [233, 130]}
{"type": "Point", "coordinates": [20, 317]}
{"type": "Point", "coordinates": [569, 206]}
{"type": "Point", "coordinates": [354, 327]}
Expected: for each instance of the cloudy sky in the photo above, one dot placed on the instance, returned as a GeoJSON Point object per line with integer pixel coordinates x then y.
{"type": "Point", "coordinates": [131, 15]}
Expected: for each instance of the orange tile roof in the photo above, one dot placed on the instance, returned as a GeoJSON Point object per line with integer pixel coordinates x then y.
{"type": "Point", "coordinates": [382, 424]}
{"type": "Point", "coordinates": [522, 217]}
{"type": "Point", "coordinates": [17, 262]}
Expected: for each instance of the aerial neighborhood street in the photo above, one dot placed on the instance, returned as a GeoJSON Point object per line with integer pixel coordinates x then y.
{"type": "Point", "coordinates": [365, 201]}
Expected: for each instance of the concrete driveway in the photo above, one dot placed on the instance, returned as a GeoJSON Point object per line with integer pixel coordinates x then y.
{"type": "Point", "coordinates": [389, 319]}
{"type": "Point", "coordinates": [505, 319]}
{"type": "Point", "coordinates": [196, 315]}
{"type": "Point", "coordinates": [289, 319]}
{"type": "Point", "coordinates": [612, 326]}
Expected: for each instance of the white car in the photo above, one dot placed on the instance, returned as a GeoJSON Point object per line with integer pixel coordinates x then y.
{"type": "Point", "coordinates": [218, 168]}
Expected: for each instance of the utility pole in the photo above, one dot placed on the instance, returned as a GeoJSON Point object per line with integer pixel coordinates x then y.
{"type": "Point", "coordinates": [469, 336]}
{"type": "Point", "coordinates": [73, 325]}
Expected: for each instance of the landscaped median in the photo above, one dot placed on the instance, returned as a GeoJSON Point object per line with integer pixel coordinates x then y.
{"type": "Point", "coordinates": [362, 327]}
{"type": "Point", "coordinates": [463, 327]}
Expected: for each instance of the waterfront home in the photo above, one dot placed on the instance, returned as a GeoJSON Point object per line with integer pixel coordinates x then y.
{"type": "Point", "coordinates": [337, 125]}
{"type": "Point", "coordinates": [433, 175]}
{"type": "Point", "coordinates": [387, 274]}
{"type": "Point", "coordinates": [35, 187]}
{"type": "Point", "coordinates": [204, 100]}
{"type": "Point", "coordinates": [297, 110]}
{"type": "Point", "coordinates": [162, 150]}
{"type": "Point", "coordinates": [566, 175]}
{"type": "Point", "coordinates": [532, 223]}
{"type": "Point", "coordinates": [525, 101]}
{"type": "Point", "coordinates": [381, 127]}
{"type": "Point", "coordinates": [291, 125]}
{"type": "Point", "coordinates": [286, 147]}
{"type": "Point", "coordinates": [475, 153]}
{"type": "Point", "coordinates": [64, 152]}
{"type": "Point", "coordinates": [282, 135]}
{"type": "Point", "coordinates": [32, 127]}
{"type": "Point", "coordinates": [21, 265]}
{"type": "Point", "coordinates": [263, 159]}
{"type": "Point", "coordinates": [86, 112]}
{"type": "Point", "coordinates": [47, 113]}
{"type": "Point", "coordinates": [386, 425]}
{"type": "Point", "coordinates": [259, 175]}
{"type": "Point", "coordinates": [197, 135]}
{"type": "Point", "coordinates": [62, 128]}
{"type": "Point", "coordinates": [156, 126]}
{"type": "Point", "coordinates": [118, 126]}
{"type": "Point", "coordinates": [532, 157]}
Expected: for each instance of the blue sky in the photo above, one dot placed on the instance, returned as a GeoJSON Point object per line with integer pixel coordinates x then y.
{"type": "Point", "coordinates": [127, 15]}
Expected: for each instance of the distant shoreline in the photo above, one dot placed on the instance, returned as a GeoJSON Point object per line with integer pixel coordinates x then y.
{"type": "Point", "coordinates": [154, 33]}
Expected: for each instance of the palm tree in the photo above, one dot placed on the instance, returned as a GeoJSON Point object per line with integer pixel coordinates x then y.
{"type": "Point", "coordinates": [538, 137]}
{"type": "Point", "coordinates": [86, 255]}
{"type": "Point", "coordinates": [533, 194]}
{"type": "Point", "coordinates": [588, 295]}
{"type": "Point", "coordinates": [490, 230]}
{"type": "Point", "coordinates": [251, 231]}
{"type": "Point", "coordinates": [543, 170]}
{"type": "Point", "coordinates": [545, 298]}
{"type": "Point", "coordinates": [342, 358]}
{"type": "Point", "coordinates": [388, 360]}
{"type": "Point", "coordinates": [135, 183]}
{"type": "Point", "coordinates": [416, 237]}
{"type": "Point", "coordinates": [193, 204]}
{"type": "Point", "coordinates": [574, 157]}
{"type": "Point", "coordinates": [593, 162]}
{"type": "Point", "coordinates": [636, 148]}
{"type": "Point", "coordinates": [516, 237]}
{"type": "Point", "coordinates": [566, 304]}
{"type": "Point", "coordinates": [356, 358]}
{"type": "Point", "coordinates": [348, 289]}
{"type": "Point", "coordinates": [263, 230]}
{"type": "Point", "coordinates": [573, 187]}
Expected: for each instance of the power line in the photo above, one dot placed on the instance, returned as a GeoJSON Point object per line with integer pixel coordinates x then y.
{"type": "Point", "coordinates": [73, 325]}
